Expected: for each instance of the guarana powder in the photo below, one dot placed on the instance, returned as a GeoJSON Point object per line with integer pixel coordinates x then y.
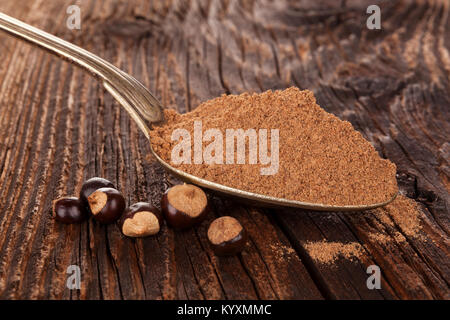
{"type": "Point", "coordinates": [328, 252]}
{"type": "Point", "coordinates": [402, 215]}
{"type": "Point", "coordinates": [322, 159]}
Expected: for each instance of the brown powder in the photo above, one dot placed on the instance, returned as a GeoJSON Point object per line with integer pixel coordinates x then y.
{"type": "Point", "coordinates": [282, 253]}
{"type": "Point", "coordinates": [402, 214]}
{"type": "Point", "coordinates": [383, 238]}
{"type": "Point", "coordinates": [322, 159]}
{"type": "Point", "coordinates": [328, 252]}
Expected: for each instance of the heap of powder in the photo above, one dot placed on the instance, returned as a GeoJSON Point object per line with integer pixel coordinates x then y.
{"type": "Point", "coordinates": [402, 214]}
{"type": "Point", "coordinates": [322, 159]}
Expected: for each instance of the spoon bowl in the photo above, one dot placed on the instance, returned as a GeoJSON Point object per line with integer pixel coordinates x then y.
{"type": "Point", "coordinates": [146, 110]}
{"type": "Point", "coordinates": [261, 200]}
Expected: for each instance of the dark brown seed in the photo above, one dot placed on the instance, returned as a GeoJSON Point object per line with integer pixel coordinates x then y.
{"type": "Point", "coordinates": [106, 205]}
{"type": "Point", "coordinates": [141, 220]}
{"type": "Point", "coordinates": [91, 185]}
{"type": "Point", "coordinates": [184, 206]}
{"type": "Point", "coordinates": [227, 236]}
{"type": "Point", "coordinates": [69, 210]}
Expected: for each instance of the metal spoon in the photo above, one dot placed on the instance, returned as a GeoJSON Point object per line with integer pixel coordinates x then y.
{"type": "Point", "coordinates": [145, 109]}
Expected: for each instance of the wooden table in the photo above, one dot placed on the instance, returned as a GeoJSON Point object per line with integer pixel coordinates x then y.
{"type": "Point", "coordinates": [59, 126]}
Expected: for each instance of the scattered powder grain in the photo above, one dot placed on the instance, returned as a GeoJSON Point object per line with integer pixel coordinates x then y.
{"type": "Point", "coordinates": [403, 215]}
{"type": "Point", "coordinates": [383, 238]}
{"type": "Point", "coordinates": [328, 252]}
{"type": "Point", "coordinates": [282, 253]}
{"type": "Point", "coordinates": [322, 159]}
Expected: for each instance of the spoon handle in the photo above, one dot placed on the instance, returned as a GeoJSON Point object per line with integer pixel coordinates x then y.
{"type": "Point", "coordinates": [130, 93]}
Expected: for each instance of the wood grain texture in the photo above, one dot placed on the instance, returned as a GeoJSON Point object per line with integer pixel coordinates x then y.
{"type": "Point", "coordinates": [58, 127]}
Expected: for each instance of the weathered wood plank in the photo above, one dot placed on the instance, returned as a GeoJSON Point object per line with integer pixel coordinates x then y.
{"type": "Point", "coordinates": [58, 127]}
